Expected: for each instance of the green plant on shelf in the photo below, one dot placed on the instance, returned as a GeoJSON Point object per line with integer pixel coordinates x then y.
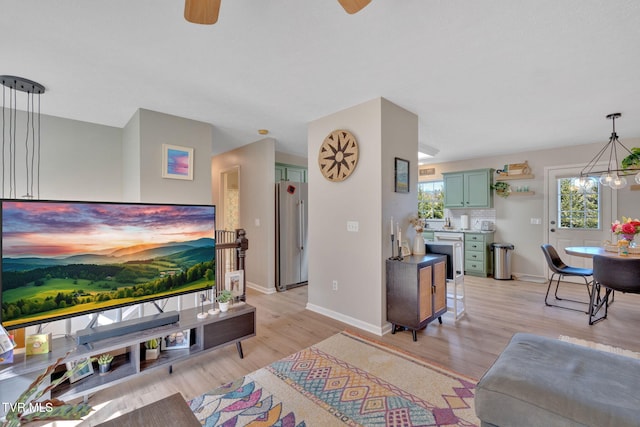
{"type": "Point", "coordinates": [225, 296]}
{"type": "Point", "coordinates": [152, 343]}
{"type": "Point", "coordinates": [502, 188]}
{"type": "Point", "coordinates": [632, 160]}
{"type": "Point", "coordinates": [105, 359]}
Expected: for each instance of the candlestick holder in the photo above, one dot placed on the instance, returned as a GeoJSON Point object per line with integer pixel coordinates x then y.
{"type": "Point", "coordinates": [393, 257]}
{"type": "Point", "coordinates": [393, 251]}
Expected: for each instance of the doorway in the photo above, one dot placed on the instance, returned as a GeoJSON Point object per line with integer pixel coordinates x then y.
{"type": "Point", "coordinates": [575, 217]}
{"type": "Point", "coordinates": [230, 198]}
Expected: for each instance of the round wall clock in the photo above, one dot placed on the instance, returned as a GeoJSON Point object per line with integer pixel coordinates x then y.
{"type": "Point", "coordinates": [338, 155]}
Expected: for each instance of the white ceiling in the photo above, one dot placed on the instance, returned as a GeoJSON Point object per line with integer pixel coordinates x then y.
{"type": "Point", "coordinates": [484, 77]}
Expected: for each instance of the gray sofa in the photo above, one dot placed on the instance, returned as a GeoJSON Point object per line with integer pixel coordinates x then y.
{"type": "Point", "coordinates": [545, 382]}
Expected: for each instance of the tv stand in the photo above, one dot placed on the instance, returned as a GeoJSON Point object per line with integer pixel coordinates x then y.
{"type": "Point", "coordinates": [218, 330]}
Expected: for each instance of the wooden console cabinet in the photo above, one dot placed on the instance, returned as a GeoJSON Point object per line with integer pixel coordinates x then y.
{"type": "Point", "coordinates": [237, 324]}
{"type": "Point", "coordinates": [416, 291]}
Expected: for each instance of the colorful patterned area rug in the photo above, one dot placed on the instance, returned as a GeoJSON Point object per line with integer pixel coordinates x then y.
{"type": "Point", "coordinates": [343, 380]}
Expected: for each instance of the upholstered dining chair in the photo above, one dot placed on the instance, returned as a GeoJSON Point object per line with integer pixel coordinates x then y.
{"type": "Point", "coordinates": [612, 274]}
{"type": "Point", "coordinates": [560, 270]}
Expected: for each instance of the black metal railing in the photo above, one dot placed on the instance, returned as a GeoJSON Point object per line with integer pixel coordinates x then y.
{"type": "Point", "coordinates": [231, 248]}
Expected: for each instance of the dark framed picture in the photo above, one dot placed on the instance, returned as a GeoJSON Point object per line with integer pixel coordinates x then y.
{"type": "Point", "coordinates": [401, 176]}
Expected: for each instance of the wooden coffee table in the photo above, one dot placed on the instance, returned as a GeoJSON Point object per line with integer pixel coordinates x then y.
{"type": "Point", "coordinates": [170, 411]}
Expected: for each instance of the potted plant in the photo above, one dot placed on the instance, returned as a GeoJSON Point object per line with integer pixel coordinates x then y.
{"type": "Point", "coordinates": [104, 362]}
{"type": "Point", "coordinates": [224, 299]}
{"type": "Point", "coordinates": [152, 349]}
{"type": "Point", "coordinates": [632, 161]}
{"type": "Point", "coordinates": [502, 188]}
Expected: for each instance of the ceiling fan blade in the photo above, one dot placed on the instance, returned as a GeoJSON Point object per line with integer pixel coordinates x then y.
{"type": "Point", "coordinates": [353, 6]}
{"type": "Point", "coordinates": [202, 11]}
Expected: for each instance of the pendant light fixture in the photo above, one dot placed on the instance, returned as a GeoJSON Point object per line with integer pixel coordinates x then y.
{"type": "Point", "coordinates": [610, 173]}
{"type": "Point", "coordinates": [19, 139]}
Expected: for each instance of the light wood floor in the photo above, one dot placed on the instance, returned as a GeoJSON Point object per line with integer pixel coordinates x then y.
{"type": "Point", "coordinates": [495, 311]}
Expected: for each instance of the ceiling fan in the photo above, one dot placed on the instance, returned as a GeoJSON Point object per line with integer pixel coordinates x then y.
{"type": "Point", "coordinates": [206, 11]}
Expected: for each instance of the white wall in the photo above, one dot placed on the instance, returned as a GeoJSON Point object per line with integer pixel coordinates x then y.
{"type": "Point", "coordinates": [291, 159]}
{"type": "Point", "coordinates": [513, 214]}
{"type": "Point", "coordinates": [131, 159]}
{"type": "Point", "coordinates": [356, 260]}
{"type": "Point", "coordinates": [159, 128]}
{"type": "Point", "coordinates": [71, 149]}
{"type": "Point", "coordinates": [257, 206]}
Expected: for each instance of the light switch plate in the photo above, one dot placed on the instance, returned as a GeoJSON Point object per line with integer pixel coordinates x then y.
{"type": "Point", "coordinates": [353, 226]}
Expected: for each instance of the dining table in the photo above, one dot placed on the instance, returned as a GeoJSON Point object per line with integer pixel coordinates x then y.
{"type": "Point", "coordinates": [591, 251]}
{"type": "Point", "coordinates": [599, 303]}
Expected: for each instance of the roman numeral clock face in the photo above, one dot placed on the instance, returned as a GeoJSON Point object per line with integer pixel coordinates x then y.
{"type": "Point", "coordinates": [338, 155]}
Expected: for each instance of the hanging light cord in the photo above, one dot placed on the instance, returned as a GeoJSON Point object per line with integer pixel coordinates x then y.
{"type": "Point", "coordinates": [13, 113]}
{"type": "Point", "coordinates": [26, 140]}
{"type": "Point", "coordinates": [38, 169]}
{"type": "Point", "coordinates": [30, 159]}
{"type": "Point", "coordinates": [32, 136]}
{"type": "Point", "coordinates": [3, 131]}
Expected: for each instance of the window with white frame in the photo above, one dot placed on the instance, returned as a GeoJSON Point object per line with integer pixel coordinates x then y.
{"type": "Point", "coordinates": [578, 206]}
{"type": "Point", "coordinates": [431, 199]}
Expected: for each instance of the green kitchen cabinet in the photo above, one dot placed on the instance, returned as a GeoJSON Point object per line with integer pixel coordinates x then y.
{"type": "Point", "coordinates": [468, 189]}
{"type": "Point", "coordinates": [477, 254]}
{"type": "Point", "coordinates": [453, 190]}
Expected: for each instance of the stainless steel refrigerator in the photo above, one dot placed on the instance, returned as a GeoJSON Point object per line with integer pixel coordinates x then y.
{"type": "Point", "coordinates": [291, 234]}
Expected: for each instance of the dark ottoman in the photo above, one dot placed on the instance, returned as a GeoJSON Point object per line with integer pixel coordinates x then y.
{"type": "Point", "coordinates": [545, 382]}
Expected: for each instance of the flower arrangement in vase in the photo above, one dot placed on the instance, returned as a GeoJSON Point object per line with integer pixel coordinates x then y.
{"type": "Point", "coordinates": [418, 242]}
{"type": "Point", "coordinates": [627, 228]}
{"type": "Point", "coordinates": [417, 223]}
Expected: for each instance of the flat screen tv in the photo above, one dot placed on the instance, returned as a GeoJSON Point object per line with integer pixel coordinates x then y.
{"type": "Point", "coordinates": [67, 258]}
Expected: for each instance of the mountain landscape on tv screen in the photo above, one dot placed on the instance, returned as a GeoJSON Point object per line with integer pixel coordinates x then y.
{"type": "Point", "coordinates": [36, 287]}
{"type": "Point", "coordinates": [117, 255]}
{"type": "Point", "coordinates": [61, 259]}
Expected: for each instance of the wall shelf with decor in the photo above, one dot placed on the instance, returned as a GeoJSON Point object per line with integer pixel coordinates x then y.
{"type": "Point", "coordinates": [512, 177]}
{"type": "Point", "coordinates": [522, 193]}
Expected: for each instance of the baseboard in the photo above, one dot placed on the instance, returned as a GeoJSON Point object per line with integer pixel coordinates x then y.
{"type": "Point", "coordinates": [530, 278]}
{"type": "Point", "coordinates": [350, 320]}
{"type": "Point", "coordinates": [261, 289]}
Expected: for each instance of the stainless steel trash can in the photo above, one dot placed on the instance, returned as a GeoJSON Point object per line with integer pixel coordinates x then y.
{"type": "Point", "coordinates": [502, 260]}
